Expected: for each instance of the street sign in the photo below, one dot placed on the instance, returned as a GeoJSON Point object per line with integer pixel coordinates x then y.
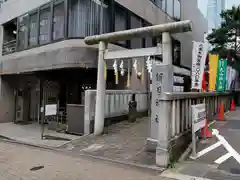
{"type": "Point", "coordinates": [162, 81]}
{"type": "Point", "coordinates": [50, 109]}
{"type": "Point", "coordinates": [198, 116]}
{"type": "Point", "coordinates": [198, 122]}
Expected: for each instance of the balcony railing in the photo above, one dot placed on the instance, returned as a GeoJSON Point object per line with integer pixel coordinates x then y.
{"type": "Point", "coordinates": [9, 47]}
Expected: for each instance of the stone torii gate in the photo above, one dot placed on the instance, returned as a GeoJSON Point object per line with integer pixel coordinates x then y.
{"type": "Point", "coordinates": [158, 130]}
{"type": "Point", "coordinates": [102, 40]}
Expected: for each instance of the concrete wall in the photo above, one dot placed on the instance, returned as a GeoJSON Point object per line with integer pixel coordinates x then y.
{"type": "Point", "coordinates": [189, 11]}
{"type": "Point", "coordinates": [64, 54]}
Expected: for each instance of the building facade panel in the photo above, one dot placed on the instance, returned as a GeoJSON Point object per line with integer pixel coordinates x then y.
{"type": "Point", "coordinates": [190, 11]}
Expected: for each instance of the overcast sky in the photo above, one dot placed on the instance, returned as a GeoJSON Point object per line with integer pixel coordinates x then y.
{"type": "Point", "coordinates": [203, 4]}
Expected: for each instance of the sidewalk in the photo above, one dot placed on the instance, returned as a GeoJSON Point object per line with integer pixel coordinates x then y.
{"type": "Point", "coordinates": [214, 164]}
{"type": "Point", "coordinates": [27, 163]}
{"type": "Point", "coordinates": [124, 142]}
{"type": "Point", "coordinates": [31, 134]}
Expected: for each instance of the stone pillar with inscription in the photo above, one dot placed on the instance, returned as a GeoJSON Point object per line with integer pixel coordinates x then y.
{"type": "Point", "coordinates": [162, 81]}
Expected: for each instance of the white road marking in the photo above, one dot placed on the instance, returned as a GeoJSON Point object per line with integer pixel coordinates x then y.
{"type": "Point", "coordinates": [208, 149]}
{"type": "Point", "coordinates": [179, 176]}
{"type": "Point", "coordinates": [222, 141]}
{"type": "Point", "coordinates": [228, 147]}
{"type": "Point", "coordinates": [223, 158]}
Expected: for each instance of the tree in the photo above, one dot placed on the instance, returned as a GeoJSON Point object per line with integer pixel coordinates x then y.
{"type": "Point", "coordinates": [224, 39]}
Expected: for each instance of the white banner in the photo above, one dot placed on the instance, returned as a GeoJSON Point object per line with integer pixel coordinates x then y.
{"type": "Point", "coordinates": [199, 54]}
{"type": "Point", "coordinates": [228, 78]}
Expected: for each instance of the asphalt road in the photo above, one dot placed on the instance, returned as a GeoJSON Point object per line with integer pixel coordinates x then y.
{"type": "Point", "coordinates": [213, 164]}
{"type": "Point", "coordinates": [19, 162]}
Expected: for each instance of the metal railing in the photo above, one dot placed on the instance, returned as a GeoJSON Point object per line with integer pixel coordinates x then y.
{"type": "Point", "coordinates": [9, 47]}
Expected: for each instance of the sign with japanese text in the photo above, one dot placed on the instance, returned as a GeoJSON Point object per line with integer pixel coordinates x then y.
{"type": "Point", "coordinates": [50, 109]}
{"type": "Point", "coordinates": [162, 82]}
{"type": "Point", "coordinates": [198, 122]}
{"type": "Point", "coordinates": [198, 117]}
{"type": "Point", "coordinates": [221, 74]}
{"type": "Point", "coordinates": [199, 54]}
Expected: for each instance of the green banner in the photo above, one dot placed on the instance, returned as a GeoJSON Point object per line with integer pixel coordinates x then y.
{"type": "Point", "coordinates": [221, 75]}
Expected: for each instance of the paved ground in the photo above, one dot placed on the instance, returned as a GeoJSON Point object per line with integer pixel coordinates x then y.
{"type": "Point", "coordinates": [31, 134]}
{"type": "Point", "coordinates": [124, 142]}
{"type": "Point", "coordinates": [18, 162]}
{"type": "Point", "coordinates": [206, 166]}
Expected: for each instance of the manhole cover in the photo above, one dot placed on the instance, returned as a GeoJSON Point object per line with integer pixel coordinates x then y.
{"type": "Point", "coordinates": [235, 171]}
{"type": "Point", "coordinates": [36, 168]}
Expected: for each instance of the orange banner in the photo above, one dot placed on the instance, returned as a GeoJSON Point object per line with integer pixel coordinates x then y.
{"type": "Point", "coordinates": [213, 66]}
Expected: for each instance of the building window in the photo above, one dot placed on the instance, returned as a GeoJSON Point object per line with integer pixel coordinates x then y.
{"type": "Point", "coordinates": [164, 5]}
{"type": "Point", "coordinates": [177, 10]}
{"type": "Point", "coordinates": [176, 52]}
{"type": "Point", "coordinates": [77, 19]}
{"type": "Point", "coordinates": [120, 21]}
{"type": "Point", "coordinates": [136, 23]}
{"type": "Point", "coordinates": [44, 25]}
{"type": "Point", "coordinates": [84, 17]}
{"type": "Point", "coordinates": [33, 29]}
{"type": "Point", "coordinates": [58, 20]}
{"type": "Point", "coordinates": [158, 3]}
{"type": "Point", "coordinates": [170, 7]}
{"type": "Point", "coordinates": [106, 18]}
{"type": "Point", "coordinates": [23, 32]}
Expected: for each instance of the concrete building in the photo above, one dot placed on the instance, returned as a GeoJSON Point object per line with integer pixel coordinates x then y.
{"type": "Point", "coordinates": [44, 59]}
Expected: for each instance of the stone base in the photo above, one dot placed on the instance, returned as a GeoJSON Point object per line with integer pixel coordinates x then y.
{"type": "Point", "coordinates": [162, 157]}
{"type": "Point", "coordinates": [175, 148]}
{"type": "Point", "coordinates": [151, 145]}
